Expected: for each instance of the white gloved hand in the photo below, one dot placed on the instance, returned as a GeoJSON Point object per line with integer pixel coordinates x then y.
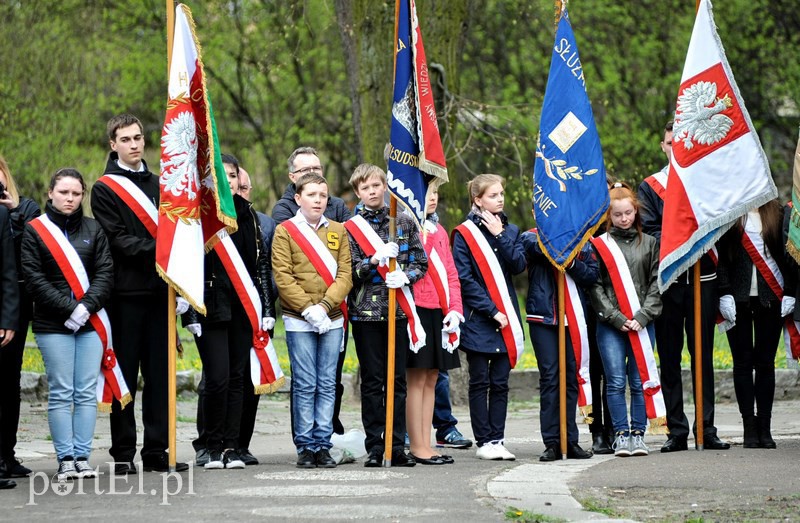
{"type": "Point", "coordinates": [315, 314]}
{"type": "Point", "coordinates": [787, 305]}
{"type": "Point", "coordinates": [267, 323]}
{"type": "Point", "coordinates": [80, 315]}
{"type": "Point", "coordinates": [396, 279]}
{"type": "Point", "coordinates": [384, 252]}
{"type": "Point", "coordinates": [324, 326]}
{"type": "Point", "coordinates": [72, 325]}
{"type": "Point", "coordinates": [195, 328]}
{"type": "Point", "coordinates": [452, 321]}
{"type": "Point", "coordinates": [727, 307]}
{"type": "Point", "coordinates": [181, 306]}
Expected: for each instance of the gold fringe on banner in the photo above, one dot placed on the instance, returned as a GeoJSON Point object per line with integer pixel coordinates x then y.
{"type": "Point", "coordinates": [658, 425]}
{"type": "Point", "coordinates": [270, 388]}
{"type": "Point", "coordinates": [586, 412]}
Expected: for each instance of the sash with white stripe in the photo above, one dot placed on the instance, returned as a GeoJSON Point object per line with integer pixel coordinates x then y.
{"type": "Point", "coordinates": [629, 304]}
{"type": "Point", "coordinates": [136, 200]}
{"type": "Point", "coordinates": [753, 244]}
{"type": "Point", "coordinates": [438, 274]}
{"type": "Point", "coordinates": [658, 182]}
{"type": "Point", "coordinates": [110, 383]}
{"type": "Point", "coordinates": [265, 371]}
{"type": "Point", "coordinates": [492, 273]}
{"type": "Point", "coordinates": [317, 253]}
{"type": "Point", "coordinates": [579, 334]}
{"type": "Point", "coordinates": [369, 241]}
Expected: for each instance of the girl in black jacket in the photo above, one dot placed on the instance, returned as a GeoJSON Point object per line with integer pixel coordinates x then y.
{"type": "Point", "coordinates": [71, 349]}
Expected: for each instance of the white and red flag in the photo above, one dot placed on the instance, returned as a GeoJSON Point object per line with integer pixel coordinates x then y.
{"type": "Point", "coordinates": [196, 202]}
{"type": "Point", "coordinates": [718, 169]}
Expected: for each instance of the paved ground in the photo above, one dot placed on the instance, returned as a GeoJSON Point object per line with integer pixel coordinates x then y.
{"type": "Point", "coordinates": [716, 486]}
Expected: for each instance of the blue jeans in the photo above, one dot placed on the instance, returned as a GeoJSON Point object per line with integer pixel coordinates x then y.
{"type": "Point", "coordinates": [443, 420]}
{"type": "Point", "coordinates": [618, 362]}
{"type": "Point", "coordinates": [72, 362]}
{"type": "Point", "coordinates": [313, 357]}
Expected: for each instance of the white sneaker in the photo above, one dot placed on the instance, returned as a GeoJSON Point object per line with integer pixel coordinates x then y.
{"type": "Point", "coordinates": [232, 460]}
{"type": "Point", "coordinates": [66, 470]}
{"type": "Point", "coordinates": [490, 451]}
{"type": "Point", "coordinates": [622, 446]}
{"type": "Point", "coordinates": [214, 460]}
{"type": "Point", "coordinates": [637, 445]}
{"type": "Point", "coordinates": [504, 452]}
{"type": "Point", "coordinates": [84, 470]}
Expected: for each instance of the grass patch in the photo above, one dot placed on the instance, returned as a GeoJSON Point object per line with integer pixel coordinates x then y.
{"type": "Point", "coordinates": [524, 516]}
{"type": "Point", "coordinates": [595, 505]}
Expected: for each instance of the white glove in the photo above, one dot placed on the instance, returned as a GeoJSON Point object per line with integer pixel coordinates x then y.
{"type": "Point", "coordinates": [315, 315]}
{"type": "Point", "coordinates": [181, 306]}
{"type": "Point", "coordinates": [324, 326]}
{"type": "Point", "coordinates": [787, 305]}
{"type": "Point", "coordinates": [386, 251]}
{"type": "Point", "coordinates": [396, 279]}
{"type": "Point", "coordinates": [452, 321]}
{"type": "Point", "coordinates": [80, 315]}
{"type": "Point", "coordinates": [727, 307]}
{"type": "Point", "coordinates": [195, 328]}
{"type": "Point", "coordinates": [267, 323]}
{"type": "Point", "coordinates": [72, 325]}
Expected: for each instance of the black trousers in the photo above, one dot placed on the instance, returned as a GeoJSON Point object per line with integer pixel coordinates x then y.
{"type": "Point", "coordinates": [676, 318]}
{"type": "Point", "coordinates": [372, 343]}
{"type": "Point", "coordinates": [10, 369]}
{"type": "Point", "coordinates": [754, 342]}
{"type": "Point", "coordinates": [601, 416]}
{"type": "Point", "coordinates": [338, 428]}
{"type": "Point", "coordinates": [488, 394]}
{"type": "Point", "coordinates": [224, 349]}
{"type": "Point", "coordinates": [139, 332]}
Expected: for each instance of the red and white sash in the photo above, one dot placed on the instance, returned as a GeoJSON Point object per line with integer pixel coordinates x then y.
{"type": "Point", "coordinates": [317, 253]}
{"type": "Point", "coordinates": [110, 383]}
{"type": "Point", "coordinates": [265, 370]}
{"type": "Point", "coordinates": [135, 199]}
{"type": "Point", "coordinates": [579, 334]}
{"type": "Point", "coordinates": [438, 273]}
{"type": "Point", "coordinates": [753, 244]}
{"type": "Point", "coordinates": [658, 182]}
{"type": "Point", "coordinates": [369, 241]}
{"type": "Point", "coordinates": [629, 304]}
{"type": "Point", "coordinates": [493, 277]}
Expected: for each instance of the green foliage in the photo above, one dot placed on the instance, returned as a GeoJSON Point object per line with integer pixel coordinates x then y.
{"type": "Point", "coordinates": [525, 516]}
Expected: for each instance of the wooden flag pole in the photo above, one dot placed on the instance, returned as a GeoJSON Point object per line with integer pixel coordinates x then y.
{"type": "Point", "coordinates": [171, 326]}
{"type": "Point", "coordinates": [562, 369]}
{"type": "Point", "coordinates": [390, 363]}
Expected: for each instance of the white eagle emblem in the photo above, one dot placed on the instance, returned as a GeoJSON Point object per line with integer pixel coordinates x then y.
{"type": "Point", "coordinates": [405, 112]}
{"type": "Point", "coordinates": [179, 172]}
{"type": "Point", "coordinates": [697, 119]}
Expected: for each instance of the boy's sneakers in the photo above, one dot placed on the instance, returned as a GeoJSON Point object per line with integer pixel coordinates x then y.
{"type": "Point", "coordinates": [66, 469]}
{"type": "Point", "coordinates": [637, 446]}
{"type": "Point", "coordinates": [622, 445]}
{"type": "Point", "coordinates": [83, 469]}
{"type": "Point", "coordinates": [215, 460]}
{"type": "Point", "coordinates": [494, 450]}
{"type": "Point", "coordinates": [454, 440]}
{"type": "Point", "coordinates": [232, 460]}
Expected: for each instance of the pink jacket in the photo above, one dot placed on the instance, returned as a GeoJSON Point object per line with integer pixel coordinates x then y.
{"type": "Point", "coordinates": [424, 291]}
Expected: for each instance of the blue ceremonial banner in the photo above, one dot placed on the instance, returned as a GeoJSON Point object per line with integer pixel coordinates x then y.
{"type": "Point", "coordinates": [570, 193]}
{"type": "Point", "coordinates": [416, 160]}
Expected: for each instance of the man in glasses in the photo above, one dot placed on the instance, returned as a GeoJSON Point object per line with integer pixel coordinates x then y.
{"type": "Point", "coordinates": [304, 160]}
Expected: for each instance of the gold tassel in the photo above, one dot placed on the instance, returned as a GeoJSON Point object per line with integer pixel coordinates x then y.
{"type": "Point", "coordinates": [586, 412]}
{"type": "Point", "coordinates": [103, 407]}
{"type": "Point", "coordinates": [124, 400]}
{"type": "Point", "coordinates": [658, 425]}
{"type": "Point", "coordinates": [270, 388]}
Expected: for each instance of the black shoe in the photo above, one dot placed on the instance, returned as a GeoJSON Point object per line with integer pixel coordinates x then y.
{"type": "Point", "coordinates": [375, 459]}
{"type": "Point", "coordinates": [765, 440]}
{"type": "Point", "coordinates": [160, 463]}
{"type": "Point", "coordinates": [248, 457]}
{"type": "Point", "coordinates": [123, 468]}
{"type": "Point", "coordinates": [674, 445]}
{"type": "Point", "coordinates": [7, 484]}
{"type": "Point", "coordinates": [550, 453]}
{"type": "Point", "coordinates": [750, 426]}
{"type": "Point", "coordinates": [574, 451]}
{"type": "Point", "coordinates": [324, 459]}
{"type": "Point", "coordinates": [433, 460]}
{"type": "Point", "coordinates": [714, 443]}
{"type": "Point", "coordinates": [448, 460]}
{"type": "Point", "coordinates": [306, 460]}
{"type": "Point", "coordinates": [12, 468]}
{"type": "Point", "coordinates": [401, 459]}
{"type": "Point", "coordinates": [600, 444]}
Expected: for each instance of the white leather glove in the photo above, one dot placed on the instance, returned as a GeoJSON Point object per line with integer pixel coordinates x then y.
{"type": "Point", "coordinates": [324, 326]}
{"type": "Point", "coordinates": [315, 315]}
{"type": "Point", "coordinates": [727, 307]}
{"type": "Point", "coordinates": [267, 323]}
{"type": "Point", "coordinates": [181, 306]}
{"type": "Point", "coordinates": [396, 279]}
{"type": "Point", "coordinates": [452, 321]}
{"type": "Point", "coordinates": [72, 325]}
{"type": "Point", "coordinates": [195, 328]}
{"type": "Point", "coordinates": [787, 305]}
{"type": "Point", "coordinates": [80, 315]}
{"type": "Point", "coordinates": [386, 251]}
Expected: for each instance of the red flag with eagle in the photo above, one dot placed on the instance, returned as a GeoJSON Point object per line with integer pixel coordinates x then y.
{"type": "Point", "coordinates": [718, 169]}
{"type": "Point", "coordinates": [196, 203]}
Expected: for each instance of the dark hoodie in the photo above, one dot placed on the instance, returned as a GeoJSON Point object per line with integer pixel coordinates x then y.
{"type": "Point", "coordinates": [286, 207]}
